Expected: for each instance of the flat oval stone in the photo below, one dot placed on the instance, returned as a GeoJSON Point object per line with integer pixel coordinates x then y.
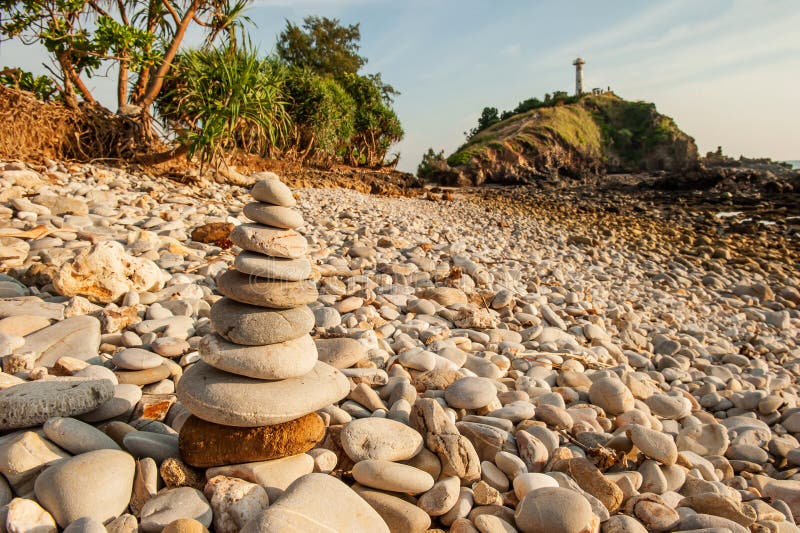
{"type": "Point", "coordinates": [318, 502]}
{"type": "Point", "coordinates": [136, 359]}
{"type": "Point", "coordinates": [668, 407]}
{"type": "Point", "coordinates": [470, 393]}
{"type": "Point", "coordinates": [289, 359]}
{"type": "Point", "coordinates": [654, 444]}
{"type": "Point", "coordinates": [340, 352]}
{"type": "Point", "coordinates": [170, 505]}
{"type": "Point", "coordinates": [96, 372]}
{"type": "Point", "coordinates": [273, 215]}
{"type": "Point", "coordinates": [612, 395]}
{"type": "Point", "coordinates": [527, 482]}
{"type": "Point", "coordinates": [144, 377]}
{"type": "Point", "coordinates": [146, 444]}
{"type": "Point", "coordinates": [264, 266]}
{"type": "Point", "coordinates": [269, 241]}
{"type": "Point", "coordinates": [554, 509]}
{"type": "Point", "coordinates": [395, 477]}
{"type": "Point", "coordinates": [704, 439]}
{"type": "Point", "coordinates": [273, 191]}
{"type": "Point", "coordinates": [255, 326]}
{"type": "Point", "coordinates": [77, 337]}
{"type": "Point", "coordinates": [77, 437]}
{"type": "Point", "coordinates": [380, 438]}
{"type": "Point", "coordinates": [204, 444]}
{"type": "Point", "coordinates": [34, 402]}
{"type": "Point", "coordinates": [266, 293]}
{"type": "Point", "coordinates": [22, 325]}
{"type": "Point", "coordinates": [95, 484]}
{"type": "Point", "coordinates": [398, 514]}
{"type": "Point", "coordinates": [31, 305]}
{"type": "Point", "coordinates": [170, 346]}
{"type": "Point", "coordinates": [126, 396]}
{"type": "Point", "coordinates": [232, 400]}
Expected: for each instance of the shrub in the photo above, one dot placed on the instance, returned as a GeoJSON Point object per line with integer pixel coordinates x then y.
{"type": "Point", "coordinates": [431, 162]}
{"type": "Point", "coordinates": [376, 126]}
{"type": "Point", "coordinates": [322, 114]}
{"type": "Point", "coordinates": [41, 86]}
{"type": "Point", "coordinates": [221, 98]}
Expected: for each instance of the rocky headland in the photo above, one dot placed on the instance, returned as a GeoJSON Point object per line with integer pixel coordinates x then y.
{"type": "Point", "coordinates": [594, 139]}
{"type": "Point", "coordinates": [590, 136]}
{"type": "Point", "coordinates": [181, 358]}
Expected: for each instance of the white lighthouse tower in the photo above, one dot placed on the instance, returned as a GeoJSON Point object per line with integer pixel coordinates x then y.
{"type": "Point", "coordinates": [579, 75]}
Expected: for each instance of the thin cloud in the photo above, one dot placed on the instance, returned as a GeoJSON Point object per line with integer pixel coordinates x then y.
{"type": "Point", "coordinates": [511, 50]}
{"type": "Point", "coordinates": [627, 30]}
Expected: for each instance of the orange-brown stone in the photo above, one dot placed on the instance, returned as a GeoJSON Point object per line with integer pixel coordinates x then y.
{"type": "Point", "coordinates": [205, 444]}
{"type": "Point", "coordinates": [212, 232]}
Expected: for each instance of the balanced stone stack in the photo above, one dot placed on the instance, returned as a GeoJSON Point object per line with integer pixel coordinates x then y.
{"type": "Point", "coordinates": [254, 394]}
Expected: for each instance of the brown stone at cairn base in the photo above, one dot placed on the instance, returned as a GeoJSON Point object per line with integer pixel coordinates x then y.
{"type": "Point", "coordinates": [205, 444]}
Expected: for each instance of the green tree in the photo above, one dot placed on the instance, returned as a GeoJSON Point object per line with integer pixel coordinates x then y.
{"type": "Point", "coordinates": [376, 124]}
{"type": "Point", "coordinates": [323, 45]}
{"type": "Point", "coordinates": [322, 114]}
{"type": "Point", "coordinates": [139, 38]}
{"type": "Point", "coordinates": [368, 125]}
{"type": "Point", "coordinates": [489, 117]}
{"type": "Point", "coordinates": [431, 162]}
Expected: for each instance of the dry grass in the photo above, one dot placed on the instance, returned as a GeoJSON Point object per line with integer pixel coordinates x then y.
{"type": "Point", "coordinates": [36, 131]}
{"type": "Point", "coordinates": [33, 130]}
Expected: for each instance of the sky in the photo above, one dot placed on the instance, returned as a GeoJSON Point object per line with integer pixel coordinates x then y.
{"type": "Point", "coordinates": [727, 71]}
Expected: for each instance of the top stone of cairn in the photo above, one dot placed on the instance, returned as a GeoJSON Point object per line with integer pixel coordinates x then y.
{"type": "Point", "coordinates": [271, 190]}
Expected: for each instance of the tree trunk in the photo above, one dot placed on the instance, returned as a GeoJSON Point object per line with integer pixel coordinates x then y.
{"type": "Point", "coordinates": [144, 75]}
{"type": "Point", "coordinates": [72, 75]}
{"type": "Point", "coordinates": [70, 98]}
{"type": "Point", "coordinates": [122, 84]}
{"type": "Point", "coordinates": [158, 81]}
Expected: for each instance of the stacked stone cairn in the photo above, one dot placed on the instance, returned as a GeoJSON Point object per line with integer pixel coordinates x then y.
{"type": "Point", "coordinates": [254, 393]}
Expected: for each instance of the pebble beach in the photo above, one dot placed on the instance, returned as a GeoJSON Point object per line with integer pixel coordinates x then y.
{"type": "Point", "coordinates": [185, 358]}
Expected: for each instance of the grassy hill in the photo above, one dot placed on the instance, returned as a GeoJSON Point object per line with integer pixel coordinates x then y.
{"type": "Point", "coordinates": [595, 135]}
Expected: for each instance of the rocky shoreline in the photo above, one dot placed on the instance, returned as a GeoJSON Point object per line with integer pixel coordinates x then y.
{"type": "Point", "coordinates": [515, 359]}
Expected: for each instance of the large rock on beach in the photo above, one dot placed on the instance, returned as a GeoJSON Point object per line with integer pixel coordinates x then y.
{"type": "Point", "coordinates": [319, 501]}
{"type": "Point", "coordinates": [33, 403]}
{"type": "Point", "coordinates": [94, 484]}
{"type": "Point", "coordinates": [105, 272]}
